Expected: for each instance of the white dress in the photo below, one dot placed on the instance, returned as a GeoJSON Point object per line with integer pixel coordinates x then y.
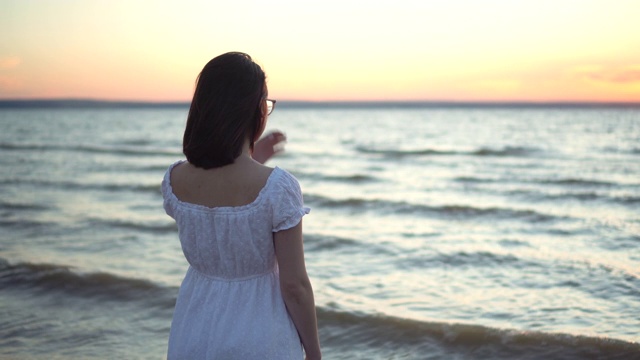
{"type": "Point", "coordinates": [229, 305]}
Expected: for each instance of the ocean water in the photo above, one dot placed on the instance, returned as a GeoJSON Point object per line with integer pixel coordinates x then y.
{"type": "Point", "coordinates": [436, 232]}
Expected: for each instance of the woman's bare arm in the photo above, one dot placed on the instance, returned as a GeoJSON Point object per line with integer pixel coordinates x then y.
{"type": "Point", "coordinates": [296, 288]}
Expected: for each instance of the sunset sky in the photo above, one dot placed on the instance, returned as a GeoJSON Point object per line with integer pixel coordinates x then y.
{"type": "Point", "coordinates": [452, 50]}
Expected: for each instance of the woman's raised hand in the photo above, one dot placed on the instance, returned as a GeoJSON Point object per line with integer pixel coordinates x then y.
{"type": "Point", "coordinates": [268, 146]}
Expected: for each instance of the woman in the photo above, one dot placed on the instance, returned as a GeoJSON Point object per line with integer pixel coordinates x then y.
{"type": "Point", "coordinates": [246, 294]}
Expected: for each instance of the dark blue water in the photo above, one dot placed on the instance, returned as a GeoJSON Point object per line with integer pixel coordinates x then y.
{"type": "Point", "coordinates": [458, 233]}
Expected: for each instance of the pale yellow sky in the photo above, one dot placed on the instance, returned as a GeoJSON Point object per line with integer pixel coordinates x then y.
{"type": "Point", "coordinates": [457, 50]}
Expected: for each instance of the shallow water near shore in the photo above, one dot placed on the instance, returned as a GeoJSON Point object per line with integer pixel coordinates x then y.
{"type": "Point", "coordinates": [435, 232]}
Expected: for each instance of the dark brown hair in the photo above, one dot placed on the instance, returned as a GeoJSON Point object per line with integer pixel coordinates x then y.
{"type": "Point", "coordinates": [225, 110]}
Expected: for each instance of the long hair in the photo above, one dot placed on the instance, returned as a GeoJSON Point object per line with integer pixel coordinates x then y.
{"type": "Point", "coordinates": [225, 110]}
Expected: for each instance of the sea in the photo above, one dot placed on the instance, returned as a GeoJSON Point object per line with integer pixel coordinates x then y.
{"type": "Point", "coordinates": [437, 230]}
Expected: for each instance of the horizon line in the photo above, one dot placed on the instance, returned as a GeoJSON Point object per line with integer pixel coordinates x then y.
{"type": "Point", "coordinates": [103, 103]}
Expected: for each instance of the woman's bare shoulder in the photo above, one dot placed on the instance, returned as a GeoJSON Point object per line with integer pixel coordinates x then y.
{"type": "Point", "coordinates": [231, 185]}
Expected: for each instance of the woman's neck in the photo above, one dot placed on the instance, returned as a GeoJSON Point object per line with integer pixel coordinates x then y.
{"type": "Point", "coordinates": [246, 152]}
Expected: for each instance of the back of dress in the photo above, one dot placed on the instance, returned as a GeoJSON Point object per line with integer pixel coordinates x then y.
{"type": "Point", "coordinates": [229, 305]}
{"type": "Point", "coordinates": [236, 242]}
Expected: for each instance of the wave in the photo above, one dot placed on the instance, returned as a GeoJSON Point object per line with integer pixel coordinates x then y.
{"type": "Point", "coordinates": [582, 196]}
{"type": "Point", "coordinates": [26, 224]}
{"type": "Point", "coordinates": [345, 333]}
{"type": "Point", "coordinates": [573, 195]}
{"type": "Point", "coordinates": [596, 279]}
{"type": "Point", "coordinates": [117, 150]}
{"type": "Point", "coordinates": [50, 279]}
{"type": "Point", "coordinates": [22, 206]}
{"type": "Point", "coordinates": [165, 227]}
{"type": "Point", "coordinates": [464, 259]}
{"type": "Point", "coordinates": [135, 142]}
{"type": "Point", "coordinates": [475, 179]}
{"type": "Point", "coordinates": [576, 189]}
{"type": "Point", "coordinates": [628, 199]}
{"type": "Point", "coordinates": [320, 243]}
{"type": "Point", "coordinates": [563, 181]}
{"type": "Point", "coordinates": [591, 196]}
{"type": "Point", "coordinates": [390, 336]}
{"type": "Point", "coordinates": [72, 185]}
{"type": "Point", "coordinates": [355, 178]}
{"type": "Point", "coordinates": [508, 151]}
{"type": "Point", "coordinates": [155, 227]}
{"type": "Point", "coordinates": [450, 211]}
{"type": "Point", "coordinates": [577, 182]}
{"type": "Point", "coordinates": [151, 168]}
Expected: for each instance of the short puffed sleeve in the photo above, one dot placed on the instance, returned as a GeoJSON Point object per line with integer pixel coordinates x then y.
{"type": "Point", "coordinates": [168, 198]}
{"type": "Point", "coordinates": [287, 203]}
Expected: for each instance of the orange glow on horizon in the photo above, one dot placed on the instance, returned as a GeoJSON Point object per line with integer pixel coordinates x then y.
{"type": "Point", "coordinates": [496, 50]}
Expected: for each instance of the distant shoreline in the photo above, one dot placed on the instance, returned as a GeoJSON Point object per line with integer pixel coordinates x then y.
{"type": "Point", "coordinates": [93, 104]}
